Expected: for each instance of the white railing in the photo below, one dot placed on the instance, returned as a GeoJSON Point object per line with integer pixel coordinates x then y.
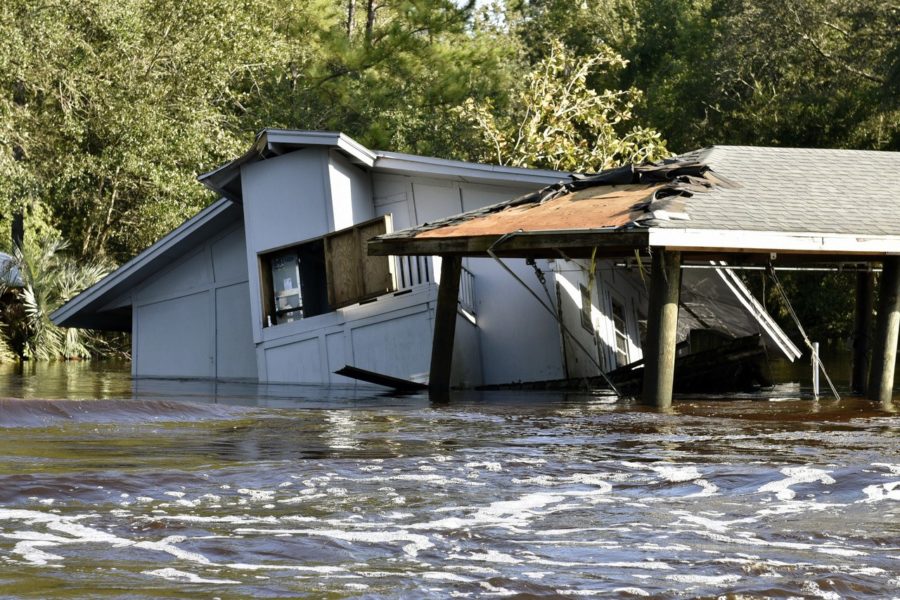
{"type": "Point", "coordinates": [413, 270]}
{"type": "Point", "coordinates": [467, 291]}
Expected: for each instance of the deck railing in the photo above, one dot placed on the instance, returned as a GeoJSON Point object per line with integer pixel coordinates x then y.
{"type": "Point", "coordinates": [467, 291]}
{"type": "Point", "coordinates": [414, 270]}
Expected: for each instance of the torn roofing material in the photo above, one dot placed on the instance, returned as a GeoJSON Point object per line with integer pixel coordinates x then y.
{"type": "Point", "coordinates": [624, 198]}
{"type": "Point", "coordinates": [721, 198]}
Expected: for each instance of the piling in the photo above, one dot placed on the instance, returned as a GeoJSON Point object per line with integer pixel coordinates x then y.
{"type": "Point", "coordinates": [884, 350]}
{"type": "Point", "coordinates": [862, 326]}
{"type": "Point", "coordinates": [445, 325]}
{"type": "Point", "coordinates": [662, 323]}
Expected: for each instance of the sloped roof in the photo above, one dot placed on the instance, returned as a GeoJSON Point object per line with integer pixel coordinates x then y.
{"type": "Point", "coordinates": [799, 189]}
{"type": "Point", "coordinates": [88, 309]}
{"type": "Point", "coordinates": [779, 199]}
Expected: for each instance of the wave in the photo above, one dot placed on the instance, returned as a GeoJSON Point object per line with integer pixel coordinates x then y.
{"type": "Point", "coordinates": [18, 413]}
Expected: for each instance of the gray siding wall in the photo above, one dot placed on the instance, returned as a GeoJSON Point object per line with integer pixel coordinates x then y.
{"type": "Point", "coordinates": [351, 192]}
{"type": "Point", "coordinates": [287, 199]}
{"type": "Point", "coordinates": [513, 329]}
{"type": "Point", "coordinates": [192, 319]}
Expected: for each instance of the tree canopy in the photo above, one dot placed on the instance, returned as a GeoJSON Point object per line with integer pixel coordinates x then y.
{"type": "Point", "coordinates": [110, 108]}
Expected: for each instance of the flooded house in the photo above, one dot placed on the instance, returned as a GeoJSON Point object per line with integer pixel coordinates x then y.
{"type": "Point", "coordinates": [718, 207]}
{"type": "Point", "coordinates": [274, 283]}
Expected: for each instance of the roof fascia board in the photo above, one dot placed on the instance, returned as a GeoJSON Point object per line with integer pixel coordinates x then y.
{"type": "Point", "coordinates": [132, 267]}
{"type": "Point", "coordinates": [410, 164]}
{"type": "Point", "coordinates": [353, 149]}
{"type": "Point", "coordinates": [731, 240]}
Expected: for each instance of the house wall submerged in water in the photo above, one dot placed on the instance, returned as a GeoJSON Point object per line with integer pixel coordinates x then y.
{"type": "Point", "coordinates": [272, 282]}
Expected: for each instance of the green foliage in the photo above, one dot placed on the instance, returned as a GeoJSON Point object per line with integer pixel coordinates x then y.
{"type": "Point", "coordinates": [49, 279]}
{"type": "Point", "coordinates": [556, 120]}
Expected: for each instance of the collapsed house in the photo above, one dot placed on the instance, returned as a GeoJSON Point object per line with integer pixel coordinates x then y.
{"type": "Point", "coordinates": [273, 282]}
{"type": "Point", "coordinates": [717, 206]}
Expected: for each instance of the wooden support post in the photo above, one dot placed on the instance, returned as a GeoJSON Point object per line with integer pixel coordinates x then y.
{"type": "Point", "coordinates": [884, 351]}
{"type": "Point", "coordinates": [862, 326]}
{"type": "Point", "coordinates": [662, 323]}
{"type": "Point", "coordinates": [445, 324]}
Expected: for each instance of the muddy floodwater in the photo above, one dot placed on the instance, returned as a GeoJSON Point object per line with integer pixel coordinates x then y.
{"type": "Point", "coordinates": [110, 489]}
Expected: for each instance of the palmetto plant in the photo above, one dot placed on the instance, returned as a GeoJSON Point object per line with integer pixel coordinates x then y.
{"type": "Point", "coordinates": [49, 279]}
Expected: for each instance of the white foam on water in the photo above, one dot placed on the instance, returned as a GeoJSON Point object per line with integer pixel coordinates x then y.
{"type": "Point", "coordinates": [488, 466]}
{"type": "Point", "coordinates": [258, 495]}
{"type": "Point", "coordinates": [894, 469]}
{"type": "Point", "coordinates": [321, 570]}
{"type": "Point", "coordinates": [31, 553]}
{"type": "Point", "coordinates": [185, 577]}
{"type": "Point", "coordinates": [711, 524]}
{"type": "Point", "coordinates": [840, 551]}
{"type": "Point", "coordinates": [674, 473]}
{"type": "Point", "coordinates": [811, 587]}
{"type": "Point", "coordinates": [491, 556]}
{"type": "Point", "coordinates": [416, 541]}
{"type": "Point", "coordinates": [356, 586]}
{"type": "Point", "coordinates": [441, 576]}
{"type": "Point", "coordinates": [705, 579]}
{"type": "Point", "coordinates": [507, 512]}
{"type": "Point", "coordinates": [796, 475]}
{"type": "Point", "coordinates": [884, 491]}
{"type": "Point", "coordinates": [631, 591]}
{"type": "Point", "coordinates": [796, 506]}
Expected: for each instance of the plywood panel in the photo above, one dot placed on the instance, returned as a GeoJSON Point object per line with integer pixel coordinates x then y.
{"type": "Point", "coordinates": [352, 275]}
{"type": "Point", "coordinates": [342, 257]}
{"type": "Point", "coordinates": [377, 277]}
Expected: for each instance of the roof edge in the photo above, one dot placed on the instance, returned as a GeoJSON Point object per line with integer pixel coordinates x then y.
{"type": "Point", "coordinates": [70, 309]}
{"type": "Point", "coordinates": [399, 162]}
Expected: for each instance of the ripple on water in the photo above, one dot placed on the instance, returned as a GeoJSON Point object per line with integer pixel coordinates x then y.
{"type": "Point", "coordinates": [547, 499]}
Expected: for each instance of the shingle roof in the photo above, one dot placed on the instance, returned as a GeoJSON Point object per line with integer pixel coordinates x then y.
{"type": "Point", "coordinates": [798, 190]}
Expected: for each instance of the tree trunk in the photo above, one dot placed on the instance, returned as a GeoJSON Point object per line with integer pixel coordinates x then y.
{"type": "Point", "coordinates": [351, 9]}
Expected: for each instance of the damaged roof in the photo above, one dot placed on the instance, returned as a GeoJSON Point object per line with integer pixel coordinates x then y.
{"type": "Point", "coordinates": [781, 199]}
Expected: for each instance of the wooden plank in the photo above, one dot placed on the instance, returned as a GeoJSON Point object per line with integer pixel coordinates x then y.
{"type": "Point", "coordinates": [403, 385]}
{"type": "Point", "coordinates": [342, 259]}
{"type": "Point", "coordinates": [576, 244]}
{"type": "Point", "coordinates": [445, 325]}
{"type": "Point", "coordinates": [266, 292]}
{"type": "Point", "coordinates": [376, 273]}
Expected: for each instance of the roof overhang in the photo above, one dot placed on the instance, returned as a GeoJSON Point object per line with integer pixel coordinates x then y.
{"type": "Point", "coordinates": [226, 180]}
{"type": "Point", "coordinates": [90, 308]}
{"type": "Point", "coordinates": [411, 164]}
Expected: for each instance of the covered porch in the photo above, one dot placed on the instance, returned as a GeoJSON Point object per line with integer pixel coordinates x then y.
{"type": "Point", "coordinates": [763, 207]}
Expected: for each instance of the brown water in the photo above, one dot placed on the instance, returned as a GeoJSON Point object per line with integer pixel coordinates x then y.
{"type": "Point", "coordinates": [180, 489]}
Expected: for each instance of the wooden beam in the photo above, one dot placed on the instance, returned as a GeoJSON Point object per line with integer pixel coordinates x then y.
{"type": "Point", "coordinates": [884, 351]}
{"type": "Point", "coordinates": [862, 326]}
{"type": "Point", "coordinates": [662, 323]}
{"type": "Point", "coordinates": [523, 244]}
{"type": "Point", "coordinates": [445, 325]}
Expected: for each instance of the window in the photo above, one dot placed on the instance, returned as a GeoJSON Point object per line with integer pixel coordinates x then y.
{"type": "Point", "coordinates": [324, 274]}
{"type": "Point", "coordinates": [619, 326]}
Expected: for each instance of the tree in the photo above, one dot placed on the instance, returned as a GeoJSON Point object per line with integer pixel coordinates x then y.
{"type": "Point", "coordinates": [49, 278]}
{"type": "Point", "coordinates": [556, 120]}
